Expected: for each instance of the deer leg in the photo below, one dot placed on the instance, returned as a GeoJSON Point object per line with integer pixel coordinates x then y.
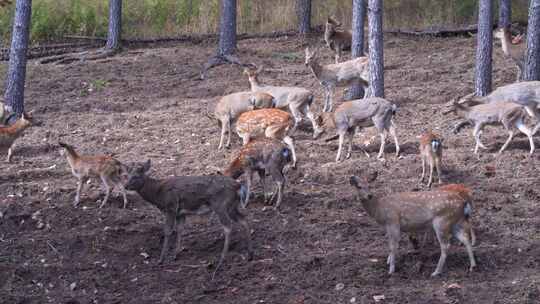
{"type": "Point", "coordinates": [311, 118]}
{"type": "Point", "coordinates": [510, 136]}
{"type": "Point", "coordinates": [297, 118]}
{"type": "Point", "coordinates": [476, 133]}
{"type": "Point", "coordinates": [279, 179]}
{"type": "Point", "coordinates": [338, 53]}
{"type": "Point", "coordinates": [227, 229]}
{"type": "Point", "coordinates": [525, 130]}
{"type": "Point", "coordinates": [105, 181]}
{"type": "Point", "coordinates": [123, 191]}
{"type": "Point", "coordinates": [167, 233]}
{"type": "Point", "coordinates": [249, 178]}
{"type": "Point", "coordinates": [340, 147]}
{"type": "Point", "coordinates": [238, 217]}
{"type": "Point", "coordinates": [383, 143]}
{"type": "Point", "coordinates": [180, 221]}
{"type": "Point", "coordinates": [262, 177]}
{"type": "Point", "coordinates": [393, 233]}
{"type": "Point", "coordinates": [438, 167]}
{"type": "Point", "coordinates": [245, 138]}
{"type": "Point", "coordinates": [423, 169]}
{"type": "Point", "coordinates": [462, 233]}
{"type": "Point", "coordinates": [430, 180]}
{"type": "Point", "coordinates": [80, 184]}
{"type": "Point", "coordinates": [228, 133]}
{"type": "Point", "coordinates": [441, 230]}
{"type": "Point", "coordinates": [290, 143]}
{"type": "Point", "coordinates": [349, 150]}
{"type": "Point", "coordinates": [222, 138]}
{"type": "Point", "coordinates": [10, 153]}
{"type": "Point", "coordinates": [392, 131]}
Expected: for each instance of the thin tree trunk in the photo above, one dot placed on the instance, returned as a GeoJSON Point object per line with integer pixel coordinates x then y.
{"type": "Point", "coordinates": [115, 25]}
{"type": "Point", "coordinates": [505, 13]}
{"type": "Point", "coordinates": [532, 60]}
{"type": "Point", "coordinates": [484, 48]}
{"type": "Point", "coordinates": [303, 11]}
{"type": "Point", "coordinates": [227, 28]}
{"type": "Point", "coordinates": [357, 45]}
{"type": "Point", "coordinates": [376, 56]}
{"type": "Point", "coordinates": [14, 95]}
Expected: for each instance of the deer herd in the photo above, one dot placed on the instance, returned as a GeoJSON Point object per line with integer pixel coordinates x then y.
{"type": "Point", "coordinates": [267, 117]}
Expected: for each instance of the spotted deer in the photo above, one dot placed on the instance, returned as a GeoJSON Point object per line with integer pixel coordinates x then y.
{"type": "Point", "coordinates": [270, 123]}
{"type": "Point", "coordinates": [447, 210]}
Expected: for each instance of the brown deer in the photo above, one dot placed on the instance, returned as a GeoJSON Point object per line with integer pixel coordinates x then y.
{"type": "Point", "coordinates": [231, 106]}
{"type": "Point", "coordinates": [431, 152]}
{"type": "Point", "coordinates": [8, 134]}
{"type": "Point", "coordinates": [262, 155]}
{"type": "Point", "coordinates": [447, 210]}
{"type": "Point", "coordinates": [108, 169]}
{"type": "Point", "coordinates": [270, 123]}
{"type": "Point", "coordinates": [336, 38]}
{"type": "Point", "coordinates": [513, 49]}
{"type": "Point", "coordinates": [181, 196]}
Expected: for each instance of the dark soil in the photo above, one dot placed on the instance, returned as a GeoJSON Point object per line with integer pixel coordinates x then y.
{"type": "Point", "coordinates": [148, 103]}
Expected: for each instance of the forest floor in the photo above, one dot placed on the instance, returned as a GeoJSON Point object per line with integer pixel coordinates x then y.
{"type": "Point", "coordinates": [321, 248]}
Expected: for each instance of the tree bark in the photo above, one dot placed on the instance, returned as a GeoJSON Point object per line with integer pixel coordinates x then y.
{"type": "Point", "coordinates": [227, 28]}
{"type": "Point", "coordinates": [376, 56]}
{"type": "Point", "coordinates": [505, 13]}
{"type": "Point", "coordinates": [115, 25]}
{"type": "Point", "coordinates": [357, 45]}
{"type": "Point", "coordinates": [532, 59]}
{"type": "Point", "coordinates": [303, 11]}
{"type": "Point", "coordinates": [484, 48]}
{"type": "Point", "coordinates": [14, 95]}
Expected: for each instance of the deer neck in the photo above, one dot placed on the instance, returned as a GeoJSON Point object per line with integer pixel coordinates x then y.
{"type": "Point", "coordinates": [150, 191]}
{"type": "Point", "coordinates": [254, 82]}
{"type": "Point", "coordinates": [370, 204]}
{"type": "Point", "coordinates": [315, 67]}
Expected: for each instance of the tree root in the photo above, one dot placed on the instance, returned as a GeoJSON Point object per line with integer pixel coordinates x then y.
{"type": "Point", "coordinates": [81, 56]}
{"type": "Point", "coordinates": [222, 59]}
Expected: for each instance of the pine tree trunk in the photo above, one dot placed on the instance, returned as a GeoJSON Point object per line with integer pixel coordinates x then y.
{"type": "Point", "coordinates": [115, 25]}
{"type": "Point", "coordinates": [532, 59]}
{"type": "Point", "coordinates": [303, 11]}
{"type": "Point", "coordinates": [505, 13]}
{"type": "Point", "coordinates": [376, 59]}
{"type": "Point", "coordinates": [357, 46]}
{"type": "Point", "coordinates": [14, 95]}
{"type": "Point", "coordinates": [484, 48]}
{"type": "Point", "coordinates": [227, 28]}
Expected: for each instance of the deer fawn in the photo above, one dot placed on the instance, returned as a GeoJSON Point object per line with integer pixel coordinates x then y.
{"type": "Point", "coordinates": [360, 113]}
{"type": "Point", "coordinates": [108, 169]}
{"type": "Point", "coordinates": [297, 100]}
{"type": "Point", "coordinates": [338, 75]}
{"type": "Point", "coordinates": [513, 49]}
{"type": "Point", "coordinates": [231, 106]}
{"type": "Point", "coordinates": [271, 123]}
{"type": "Point", "coordinates": [261, 155]}
{"type": "Point", "coordinates": [336, 38]}
{"type": "Point", "coordinates": [178, 197]}
{"type": "Point", "coordinates": [8, 134]}
{"type": "Point", "coordinates": [447, 210]}
{"type": "Point", "coordinates": [431, 152]}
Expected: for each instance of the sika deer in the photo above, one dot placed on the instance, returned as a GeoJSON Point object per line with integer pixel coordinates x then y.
{"type": "Point", "coordinates": [178, 197]}
{"type": "Point", "coordinates": [338, 75]}
{"type": "Point", "coordinates": [336, 38]}
{"type": "Point", "coordinates": [508, 114]}
{"type": "Point", "coordinates": [109, 170]}
{"type": "Point", "coordinates": [271, 123]}
{"type": "Point", "coordinates": [512, 49]}
{"type": "Point", "coordinates": [8, 134]}
{"type": "Point", "coordinates": [297, 99]}
{"type": "Point", "coordinates": [431, 151]}
{"type": "Point", "coordinates": [360, 113]}
{"type": "Point", "coordinates": [447, 210]}
{"type": "Point", "coordinates": [526, 93]}
{"type": "Point", "coordinates": [261, 155]}
{"type": "Point", "coordinates": [231, 106]}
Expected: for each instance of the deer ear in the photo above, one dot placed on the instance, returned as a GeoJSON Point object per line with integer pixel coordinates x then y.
{"type": "Point", "coordinates": [147, 165]}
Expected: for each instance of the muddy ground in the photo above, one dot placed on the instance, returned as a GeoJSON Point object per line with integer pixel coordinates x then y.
{"type": "Point", "coordinates": [321, 248]}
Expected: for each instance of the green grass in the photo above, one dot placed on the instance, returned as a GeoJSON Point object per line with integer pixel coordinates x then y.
{"type": "Point", "coordinates": [159, 18]}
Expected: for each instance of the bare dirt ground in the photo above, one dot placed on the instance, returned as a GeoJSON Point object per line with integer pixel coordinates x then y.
{"type": "Point", "coordinates": [322, 248]}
